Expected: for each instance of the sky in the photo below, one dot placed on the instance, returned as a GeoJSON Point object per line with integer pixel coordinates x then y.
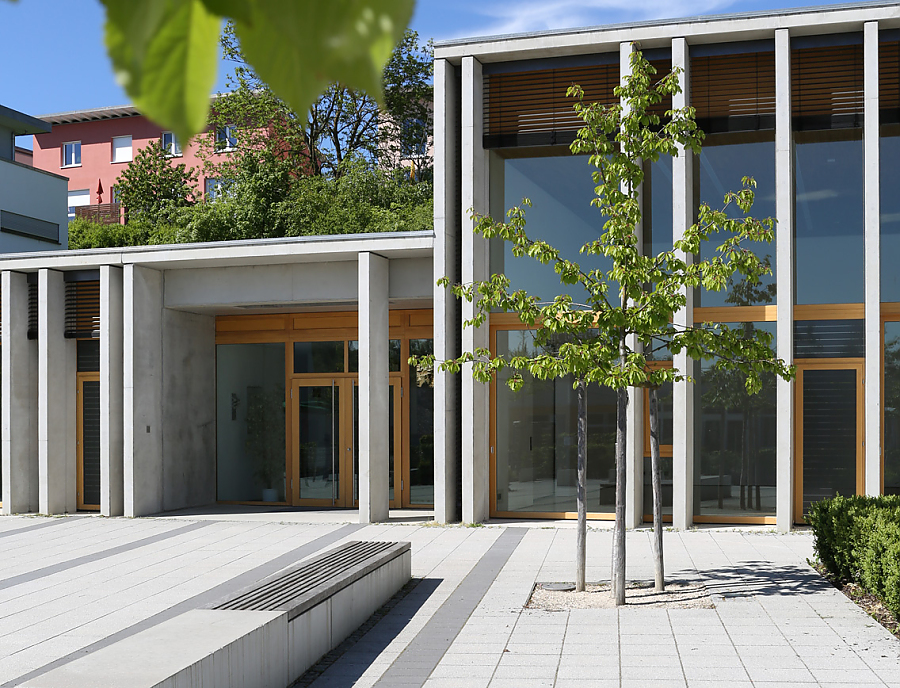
{"type": "Point", "coordinates": [52, 57]}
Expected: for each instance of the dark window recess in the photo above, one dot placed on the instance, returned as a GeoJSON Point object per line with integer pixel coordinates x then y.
{"type": "Point", "coordinates": [827, 87]}
{"type": "Point", "coordinates": [88, 356]}
{"type": "Point", "coordinates": [734, 92]}
{"type": "Point", "coordinates": [82, 310]}
{"type": "Point", "coordinates": [90, 442]}
{"type": "Point", "coordinates": [32, 331]}
{"type": "Point", "coordinates": [829, 339]}
{"type": "Point", "coordinates": [889, 82]}
{"type": "Point", "coordinates": [29, 226]}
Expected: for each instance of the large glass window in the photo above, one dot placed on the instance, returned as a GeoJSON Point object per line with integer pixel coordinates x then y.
{"type": "Point", "coordinates": [561, 190]}
{"type": "Point", "coordinates": [250, 422]}
{"type": "Point", "coordinates": [724, 161]}
{"type": "Point", "coordinates": [890, 213]}
{"type": "Point", "coordinates": [536, 451]}
{"type": "Point", "coordinates": [657, 216]}
{"type": "Point", "coordinates": [421, 427]}
{"type": "Point", "coordinates": [891, 408]}
{"type": "Point", "coordinates": [828, 178]}
{"type": "Point", "coordinates": [734, 462]}
{"type": "Point", "coordinates": [319, 357]}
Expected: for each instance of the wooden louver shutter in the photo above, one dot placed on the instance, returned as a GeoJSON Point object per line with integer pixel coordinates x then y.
{"type": "Point", "coordinates": [827, 87]}
{"type": "Point", "coordinates": [889, 82]}
{"type": "Point", "coordinates": [82, 310]}
{"type": "Point", "coordinates": [734, 92]}
{"type": "Point", "coordinates": [530, 108]}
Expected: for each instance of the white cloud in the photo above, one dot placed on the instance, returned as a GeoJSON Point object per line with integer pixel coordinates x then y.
{"type": "Point", "coordinates": [518, 17]}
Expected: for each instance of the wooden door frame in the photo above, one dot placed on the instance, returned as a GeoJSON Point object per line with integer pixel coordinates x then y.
{"type": "Point", "coordinates": [857, 364]}
{"type": "Point", "coordinates": [80, 379]}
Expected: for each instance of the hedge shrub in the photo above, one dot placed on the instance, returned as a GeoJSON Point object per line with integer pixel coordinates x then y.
{"type": "Point", "coordinates": [858, 539]}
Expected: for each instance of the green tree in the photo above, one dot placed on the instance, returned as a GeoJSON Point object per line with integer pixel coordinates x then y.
{"type": "Point", "coordinates": [588, 341]}
{"type": "Point", "coordinates": [151, 186]}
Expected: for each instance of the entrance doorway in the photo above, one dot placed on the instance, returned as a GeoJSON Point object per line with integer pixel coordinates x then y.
{"type": "Point", "coordinates": [87, 438]}
{"type": "Point", "coordinates": [325, 441]}
{"type": "Point", "coordinates": [829, 431]}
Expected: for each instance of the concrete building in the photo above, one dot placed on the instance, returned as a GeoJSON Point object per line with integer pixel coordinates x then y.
{"type": "Point", "coordinates": [32, 202]}
{"type": "Point", "coordinates": [275, 372]}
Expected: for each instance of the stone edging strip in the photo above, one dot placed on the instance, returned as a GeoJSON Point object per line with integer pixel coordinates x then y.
{"type": "Point", "coordinates": [36, 526]}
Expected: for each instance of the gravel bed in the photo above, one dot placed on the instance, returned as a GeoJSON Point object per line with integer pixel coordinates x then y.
{"type": "Point", "coordinates": [677, 595]}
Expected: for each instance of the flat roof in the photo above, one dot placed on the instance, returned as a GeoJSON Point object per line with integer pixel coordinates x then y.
{"type": "Point", "coordinates": [278, 251]}
{"type": "Point", "coordinates": [20, 123]}
{"type": "Point", "coordinates": [91, 115]}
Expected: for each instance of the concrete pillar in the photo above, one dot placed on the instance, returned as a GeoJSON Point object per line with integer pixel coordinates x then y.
{"type": "Point", "coordinates": [446, 308]}
{"type": "Point", "coordinates": [873, 261]}
{"type": "Point", "coordinates": [784, 278]}
{"type": "Point", "coordinates": [18, 410]}
{"type": "Point", "coordinates": [475, 266]}
{"type": "Point", "coordinates": [57, 467]}
{"type": "Point", "coordinates": [634, 446]}
{"type": "Point", "coordinates": [142, 390]}
{"type": "Point", "coordinates": [112, 490]}
{"type": "Point", "coordinates": [374, 399]}
{"type": "Point", "coordinates": [683, 392]}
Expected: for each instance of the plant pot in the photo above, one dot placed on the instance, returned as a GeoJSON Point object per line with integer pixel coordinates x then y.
{"type": "Point", "coordinates": [270, 495]}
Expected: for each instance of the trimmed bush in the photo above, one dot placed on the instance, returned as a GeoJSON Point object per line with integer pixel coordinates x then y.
{"type": "Point", "coordinates": [858, 539]}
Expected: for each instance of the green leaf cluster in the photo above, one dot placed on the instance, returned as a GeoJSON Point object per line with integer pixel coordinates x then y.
{"type": "Point", "coordinates": [151, 186]}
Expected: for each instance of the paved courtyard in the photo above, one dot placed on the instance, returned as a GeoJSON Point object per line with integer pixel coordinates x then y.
{"type": "Point", "coordinates": [69, 586]}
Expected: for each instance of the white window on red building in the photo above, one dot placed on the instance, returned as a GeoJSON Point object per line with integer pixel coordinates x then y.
{"type": "Point", "coordinates": [71, 154]}
{"type": "Point", "coordinates": [121, 149]}
{"type": "Point", "coordinates": [170, 144]}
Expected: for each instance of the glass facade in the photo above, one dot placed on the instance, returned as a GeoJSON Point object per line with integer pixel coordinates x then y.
{"type": "Point", "coordinates": [665, 398]}
{"type": "Point", "coordinates": [319, 357]}
{"type": "Point", "coordinates": [421, 427]}
{"type": "Point", "coordinates": [890, 213]}
{"type": "Point", "coordinates": [734, 462]}
{"type": "Point", "coordinates": [891, 426]}
{"type": "Point", "coordinates": [537, 441]}
{"type": "Point", "coordinates": [657, 211]}
{"type": "Point", "coordinates": [719, 169]}
{"type": "Point", "coordinates": [828, 179]}
{"type": "Point", "coordinates": [250, 422]}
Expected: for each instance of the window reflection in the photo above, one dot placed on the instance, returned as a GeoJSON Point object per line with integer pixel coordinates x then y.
{"type": "Point", "coordinates": [891, 408]}
{"type": "Point", "coordinates": [719, 169]}
{"type": "Point", "coordinates": [890, 213]}
{"type": "Point", "coordinates": [657, 215]}
{"type": "Point", "coordinates": [828, 176]}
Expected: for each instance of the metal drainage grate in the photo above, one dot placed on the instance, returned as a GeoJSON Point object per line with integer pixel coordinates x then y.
{"type": "Point", "coordinates": [286, 589]}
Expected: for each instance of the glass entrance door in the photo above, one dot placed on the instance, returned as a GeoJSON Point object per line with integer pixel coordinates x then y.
{"type": "Point", "coordinates": [320, 441]}
{"type": "Point", "coordinates": [829, 432]}
{"type": "Point", "coordinates": [87, 438]}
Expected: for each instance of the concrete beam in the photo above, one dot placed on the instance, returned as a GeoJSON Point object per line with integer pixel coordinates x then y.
{"type": "Point", "coordinates": [475, 267]}
{"type": "Point", "coordinates": [112, 486]}
{"type": "Point", "coordinates": [683, 392]}
{"type": "Point", "coordinates": [57, 466]}
{"type": "Point", "coordinates": [374, 391]}
{"type": "Point", "coordinates": [872, 376]}
{"type": "Point", "coordinates": [446, 308]}
{"type": "Point", "coordinates": [784, 278]}
{"type": "Point", "coordinates": [18, 410]}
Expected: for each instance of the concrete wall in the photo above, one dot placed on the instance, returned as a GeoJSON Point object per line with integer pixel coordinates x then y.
{"type": "Point", "coordinates": [18, 415]}
{"type": "Point", "coordinates": [189, 409]}
{"type": "Point", "coordinates": [33, 193]}
{"type": "Point", "coordinates": [112, 486]}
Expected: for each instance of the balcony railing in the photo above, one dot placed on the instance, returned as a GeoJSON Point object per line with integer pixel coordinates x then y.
{"type": "Point", "coordinates": [103, 213]}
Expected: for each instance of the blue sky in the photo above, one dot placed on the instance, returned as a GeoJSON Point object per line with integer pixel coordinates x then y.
{"type": "Point", "coordinates": [52, 57]}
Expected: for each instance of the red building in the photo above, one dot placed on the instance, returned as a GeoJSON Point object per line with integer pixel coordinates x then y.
{"type": "Point", "coordinates": [93, 147]}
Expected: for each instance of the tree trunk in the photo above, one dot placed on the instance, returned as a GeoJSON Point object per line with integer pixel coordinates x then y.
{"type": "Point", "coordinates": [581, 532]}
{"type": "Point", "coordinates": [657, 539]}
{"type": "Point", "coordinates": [618, 573]}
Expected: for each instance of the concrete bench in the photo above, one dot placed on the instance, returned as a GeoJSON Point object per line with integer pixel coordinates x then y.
{"type": "Point", "coordinates": [266, 635]}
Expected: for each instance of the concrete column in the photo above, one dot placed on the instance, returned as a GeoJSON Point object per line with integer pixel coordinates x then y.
{"type": "Point", "coordinates": [112, 490]}
{"type": "Point", "coordinates": [475, 266]}
{"type": "Point", "coordinates": [784, 278]}
{"type": "Point", "coordinates": [142, 390]}
{"type": "Point", "coordinates": [373, 388]}
{"type": "Point", "coordinates": [56, 399]}
{"type": "Point", "coordinates": [18, 410]}
{"type": "Point", "coordinates": [446, 308]}
{"type": "Point", "coordinates": [683, 392]}
{"type": "Point", "coordinates": [634, 448]}
{"type": "Point", "coordinates": [873, 261]}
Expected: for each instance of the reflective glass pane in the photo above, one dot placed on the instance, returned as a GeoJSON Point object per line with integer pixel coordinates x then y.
{"type": "Point", "coordinates": [250, 435]}
{"type": "Point", "coordinates": [537, 441]}
{"type": "Point", "coordinates": [393, 356]}
{"type": "Point", "coordinates": [828, 176]}
{"type": "Point", "coordinates": [890, 213]}
{"type": "Point", "coordinates": [90, 442]}
{"type": "Point", "coordinates": [892, 408]}
{"type": "Point", "coordinates": [829, 434]}
{"type": "Point", "coordinates": [666, 430]}
{"type": "Point", "coordinates": [318, 357]}
{"type": "Point", "coordinates": [319, 420]}
{"type": "Point", "coordinates": [421, 427]}
{"type": "Point", "coordinates": [561, 190]}
{"type": "Point", "coordinates": [724, 161]}
{"type": "Point", "coordinates": [734, 450]}
{"type": "Point", "coordinates": [88, 355]}
{"type": "Point", "coordinates": [658, 206]}
{"type": "Point", "coordinates": [666, 481]}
